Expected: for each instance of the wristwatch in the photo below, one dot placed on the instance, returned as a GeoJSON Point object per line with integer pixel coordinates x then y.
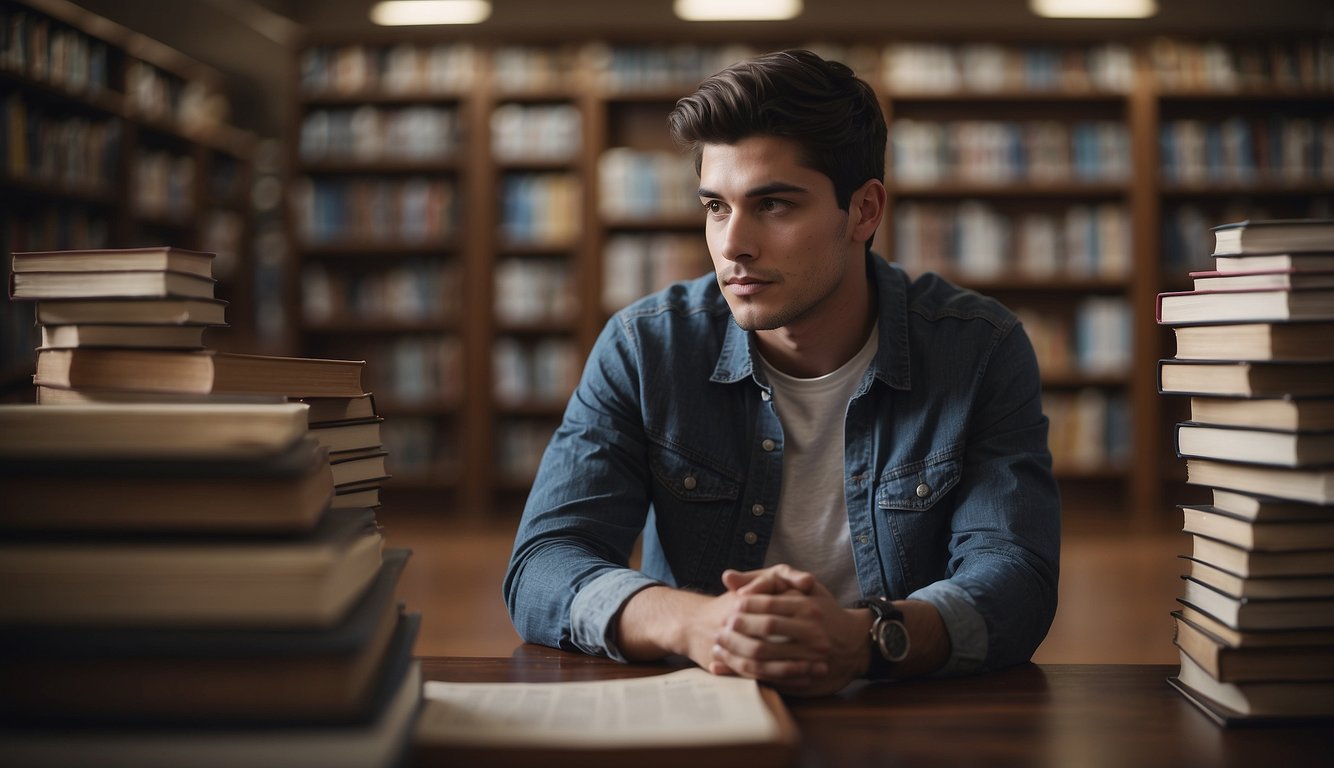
{"type": "Point", "coordinates": [889, 637]}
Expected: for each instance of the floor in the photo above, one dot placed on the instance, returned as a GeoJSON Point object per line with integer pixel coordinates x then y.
{"type": "Point", "coordinates": [1116, 591]}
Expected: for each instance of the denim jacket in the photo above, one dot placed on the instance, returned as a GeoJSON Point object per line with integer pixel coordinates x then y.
{"type": "Point", "coordinates": [672, 432]}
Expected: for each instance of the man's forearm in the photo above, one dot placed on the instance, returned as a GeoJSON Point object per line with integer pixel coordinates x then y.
{"type": "Point", "coordinates": [930, 639]}
{"type": "Point", "coordinates": [654, 623]}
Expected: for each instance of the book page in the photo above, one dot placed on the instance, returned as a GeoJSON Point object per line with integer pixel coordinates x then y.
{"type": "Point", "coordinates": [686, 708]}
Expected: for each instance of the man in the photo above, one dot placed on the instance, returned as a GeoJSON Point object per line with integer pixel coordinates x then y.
{"type": "Point", "coordinates": [838, 472]}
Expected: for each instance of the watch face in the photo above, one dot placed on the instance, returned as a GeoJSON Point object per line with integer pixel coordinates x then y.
{"type": "Point", "coordinates": [894, 640]}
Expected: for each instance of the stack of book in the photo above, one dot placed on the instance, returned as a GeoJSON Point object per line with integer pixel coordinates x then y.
{"type": "Point", "coordinates": [177, 590]}
{"type": "Point", "coordinates": [349, 428]}
{"type": "Point", "coordinates": [127, 325]}
{"type": "Point", "coordinates": [1253, 352]}
{"type": "Point", "coordinates": [193, 573]}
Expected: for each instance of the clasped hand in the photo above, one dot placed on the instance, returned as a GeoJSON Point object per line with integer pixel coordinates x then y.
{"type": "Point", "coordinates": [782, 626]}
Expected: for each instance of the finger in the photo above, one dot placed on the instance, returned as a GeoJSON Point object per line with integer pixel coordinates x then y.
{"type": "Point", "coordinates": [766, 583]}
{"type": "Point", "coordinates": [734, 579]}
{"type": "Point", "coordinates": [788, 604]}
{"type": "Point", "coordinates": [799, 579]}
{"type": "Point", "coordinates": [779, 579]}
{"type": "Point", "coordinates": [776, 636]}
{"type": "Point", "coordinates": [761, 580]}
{"type": "Point", "coordinates": [793, 672]}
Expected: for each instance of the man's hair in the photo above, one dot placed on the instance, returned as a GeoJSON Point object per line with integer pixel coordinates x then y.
{"type": "Point", "coordinates": [827, 110]}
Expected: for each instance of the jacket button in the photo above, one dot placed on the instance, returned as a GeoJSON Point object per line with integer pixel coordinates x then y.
{"type": "Point", "coordinates": [750, 537]}
{"type": "Point", "coordinates": [923, 490]}
{"type": "Point", "coordinates": [768, 445]}
{"type": "Point", "coordinates": [757, 510]}
{"type": "Point", "coordinates": [690, 482]}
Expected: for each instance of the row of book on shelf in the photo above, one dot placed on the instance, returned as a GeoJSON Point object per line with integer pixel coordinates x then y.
{"type": "Point", "coordinates": [362, 210]}
{"type": "Point", "coordinates": [370, 133]}
{"type": "Point", "coordinates": [975, 240]}
{"type": "Point", "coordinates": [195, 573]}
{"type": "Point", "coordinates": [1255, 627]}
{"type": "Point", "coordinates": [993, 151]}
{"type": "Point", "coordinates": [905, 67]}
{"type": "Point", "coordinates": [1239, 150]}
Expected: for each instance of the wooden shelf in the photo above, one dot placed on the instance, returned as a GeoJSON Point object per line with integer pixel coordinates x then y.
{"type": "Point", "coordinates": [1011, 189]}
{"type": "Point", "coordinates": [1008, 96]}
{"type": "Point", "coordinates": [66, 100]}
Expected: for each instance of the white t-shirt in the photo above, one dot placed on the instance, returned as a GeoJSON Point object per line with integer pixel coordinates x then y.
{"type": "Point", "coordinates": [811, 529]}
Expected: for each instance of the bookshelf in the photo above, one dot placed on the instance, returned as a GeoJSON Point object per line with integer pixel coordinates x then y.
{"type": "Point", "coordinates": [110, 139]}
{"type": "Point", "coordinates": [1035, 172]}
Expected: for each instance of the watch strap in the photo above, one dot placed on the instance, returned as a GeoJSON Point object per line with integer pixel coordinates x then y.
{"type": "Point", "coordinates": [882, 610]}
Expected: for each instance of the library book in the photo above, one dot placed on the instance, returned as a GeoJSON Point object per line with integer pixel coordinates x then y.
{"type": "Point", "coordinates": [1274, 236]}
{"type": "Point", "coordinates": [158, 258]}
{"type": "Point", "coordinates": [197, 371]}
{"type": "Point", "coordinates": [1256, 341]}
{"type": "Point", "coordinates": [1275, 305]}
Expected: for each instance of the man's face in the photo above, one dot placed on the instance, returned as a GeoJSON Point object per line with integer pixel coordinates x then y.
{"type": "Point", "coordinates": [779, 242]}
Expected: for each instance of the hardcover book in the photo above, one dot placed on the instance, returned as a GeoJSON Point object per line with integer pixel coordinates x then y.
{"type": "Point", "coordinates": [203, 371]}
{"type": "Point", "coordinates": [1265, 509]}
{"type": "Point", "coordinates": [180, 675]}
{"type": "Point", "coordinates": [1229, 703]}
{"type": "Point", "coordinates": [1274, 236]}
{"type": "Point", "coordinates": [1277, 279]}
{"type": "Point", "coordinates": [1256, 446]}
{"type": "Point", "coordinates": [381, 742]}
{"type": "Point", "coordinates": [162, 259]}
{"type": "Point", "coordinates": [348, 435]}
{"type": "Point", "coordinates": [1313, 486]}
{"type": "Point", "coordinates": [1252, 614]}
{"type": "Point", "coordinates": [276, 492]}
{"type": "Point", "coordinates": [210, 312]}
{"type": "Point", "coordinates": [1300, 262]}
{"type": "Point", "coordinates": [1269, 535]}
{"type": "Point", "coordinates": [1281, 305]}
{"type": "Point", "coordinates": [150, 430]}
{"type": "Point", "coordinates": [1282, 638]}
{"type": "Point", "coordinates": [1280, 413]}
{"type": "Point", "coordinates": [1228, 663]}
{"type": "Point", "coordinates": [328, 410]}
{"type": "Point", "coordinates": [1258, 564]}
{"type": "Point", "coordinates": [1307, 342]}
{"type": "Point", "coordinates": [1229, 378]}
{"type": "Point", "coordinates": [185, 581]}
{"type": "Point", "coordinates": [1280, 587]}
{"type": "Point", "coordinates": [32, 286]}
{"type": "Point", "coordinates": [146, 336]}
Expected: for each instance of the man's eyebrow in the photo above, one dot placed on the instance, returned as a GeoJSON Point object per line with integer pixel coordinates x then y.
{"type": "Point", "coordinates": [773, 187]}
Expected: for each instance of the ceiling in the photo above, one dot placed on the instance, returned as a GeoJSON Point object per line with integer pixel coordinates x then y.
{"type": "Point", "coordinates": [251, 40]}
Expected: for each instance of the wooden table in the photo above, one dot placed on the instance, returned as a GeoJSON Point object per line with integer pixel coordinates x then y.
{"type": "Point", "coordinates": [1072, 716]}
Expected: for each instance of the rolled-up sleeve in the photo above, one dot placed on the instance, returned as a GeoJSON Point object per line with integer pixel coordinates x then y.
{"type": "Point", "coordinates": [569, 573]}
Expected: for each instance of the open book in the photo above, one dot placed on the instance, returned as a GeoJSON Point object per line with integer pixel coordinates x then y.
{"type": "Point", "coordinates": [688, 717]}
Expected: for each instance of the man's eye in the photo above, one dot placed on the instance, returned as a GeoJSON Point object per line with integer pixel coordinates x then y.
{"type": "Point", "coordinates": [713, 206]}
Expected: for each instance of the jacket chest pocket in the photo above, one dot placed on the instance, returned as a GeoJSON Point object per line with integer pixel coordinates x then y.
{"type": "Point", "coordinates": [908, 500]}
{"type": "Point", "coordinates": [695, 508]}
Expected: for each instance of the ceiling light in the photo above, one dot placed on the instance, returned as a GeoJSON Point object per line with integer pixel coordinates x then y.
{"type": "Point", "coordinates": [1094, 9]}
{"type": "Point", "coordinates": [737, 10]}
{"type": "Point", "coordinates": [400, 13]}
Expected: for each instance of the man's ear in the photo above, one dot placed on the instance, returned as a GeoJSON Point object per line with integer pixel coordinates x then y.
{"type": "Point", "coordinates": [866, 208]}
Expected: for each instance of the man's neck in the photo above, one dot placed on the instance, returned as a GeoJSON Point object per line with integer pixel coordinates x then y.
{"type": "Point", "coordinates": [816, 346]}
